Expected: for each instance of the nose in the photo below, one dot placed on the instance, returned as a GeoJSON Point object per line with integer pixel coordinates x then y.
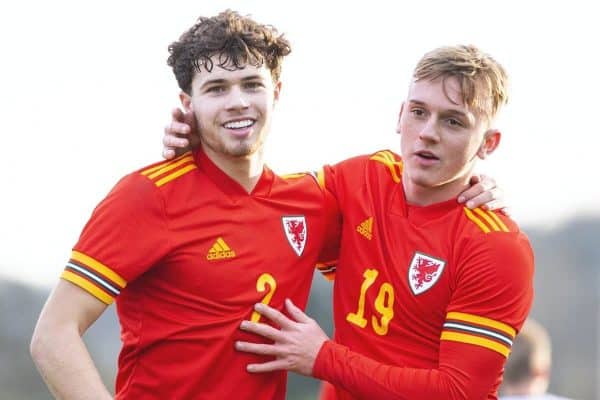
{"type": "Point", "coordinates": [429, 131]}
{"type": "Point", "coordinates": [237, 99]}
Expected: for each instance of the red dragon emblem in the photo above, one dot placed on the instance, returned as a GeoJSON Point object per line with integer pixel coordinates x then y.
{"type": "Point", "coordinates": [295, 231]}
{"type": "Point", "coordinates": [424, 272]}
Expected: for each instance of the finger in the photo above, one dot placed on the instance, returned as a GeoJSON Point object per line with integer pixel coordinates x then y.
{"type": "Point", "coordinates": [177, 129]}
{"type": "Point", "coordinates": [295, 312]}
{"type": "Point", "coordinates": [257, 348]}
{"type": "Point", "coordinates": [177, 115]}
{"type": "Point", "coordinates": [268, 366]}
{"type": "Point", "coordinates": [274, 315]}
{"type": "Point", "coordinates": [476, 190]}
{"type": "Point", "coordinates": [263, 330]}
{"type": "Point", "coordinates": [189, 118]}
{"type": "Point", "coordinates": [475, 179]}
{"type": "Point", "coordinates": [168, 153]}
{"type": "Point", "coordinates": [479, 200]}
{"type": "Point", "coordinates": [174, 143]}
{"type": "Point", "coordinates": [487, 182]}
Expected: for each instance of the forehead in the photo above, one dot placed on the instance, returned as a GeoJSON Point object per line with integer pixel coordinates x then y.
{"type": "Point", "coordinates": [439, 93]}
{"type": "Point", "coordinates": [229, 72]}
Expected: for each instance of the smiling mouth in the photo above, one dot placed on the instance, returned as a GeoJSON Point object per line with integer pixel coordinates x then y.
{"type": "Point", "coordinates": [245, 123]}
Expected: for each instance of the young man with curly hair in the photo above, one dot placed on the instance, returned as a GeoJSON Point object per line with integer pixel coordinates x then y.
{"type": "Point", "coordinates": [176, 243]}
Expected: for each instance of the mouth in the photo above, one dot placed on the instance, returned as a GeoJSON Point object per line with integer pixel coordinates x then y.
{"type": "Point", "coordinates": [426, 155]}
{"type": "Point", "coordinates": [239, 124]}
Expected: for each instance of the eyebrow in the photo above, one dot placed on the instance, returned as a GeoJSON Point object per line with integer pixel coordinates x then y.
{"type": "Point", "coordinates": [220, 81]}
{"type": "Point", "coordinates": [446, 111]}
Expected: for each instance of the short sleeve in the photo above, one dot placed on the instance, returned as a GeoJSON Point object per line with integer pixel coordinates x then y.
{"type": "Point", "coordinates": [126, 235]}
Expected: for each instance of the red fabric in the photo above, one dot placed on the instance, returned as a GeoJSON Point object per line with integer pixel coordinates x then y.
{"type": "Point", "coordinates": [192, 252]}
{"type": "Point", "coordinates": [482, 291]}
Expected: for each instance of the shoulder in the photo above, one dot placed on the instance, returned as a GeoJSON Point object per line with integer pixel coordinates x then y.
{"type": "Point", "coordinates": [384, 163]}
{"type": "Point", "coordinates": [496, 235]}
{"type": "Point", "coordinates": [163, 173]}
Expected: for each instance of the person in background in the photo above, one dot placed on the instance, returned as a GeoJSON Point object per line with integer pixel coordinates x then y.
{"type": "Point", "coordinates": [527, 370]}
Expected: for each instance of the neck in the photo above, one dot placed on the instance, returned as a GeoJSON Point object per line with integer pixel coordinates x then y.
{"type": "Point", "coordinates": [244, 170]}
{"type": "Point", "coordinates": [424, 195]}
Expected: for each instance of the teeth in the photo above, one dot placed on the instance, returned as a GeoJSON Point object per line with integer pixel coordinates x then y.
{"type": "Point", "coordinates": [238, 124]}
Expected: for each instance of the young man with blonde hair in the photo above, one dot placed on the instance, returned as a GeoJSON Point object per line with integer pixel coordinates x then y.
{"type": "Point", "coordinates": [428, 295]}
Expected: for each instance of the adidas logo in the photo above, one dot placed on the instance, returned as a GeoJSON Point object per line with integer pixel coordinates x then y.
{"type": "Point", "coordinates": [220, 250]}
{"type": "Point", "coordinates": [365, 228]}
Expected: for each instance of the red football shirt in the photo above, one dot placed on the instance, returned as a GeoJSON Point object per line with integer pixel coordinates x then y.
{"type": "Point", "coordinates": [427, 300]}
{"type": "Point", "coordinates": [186, 252]}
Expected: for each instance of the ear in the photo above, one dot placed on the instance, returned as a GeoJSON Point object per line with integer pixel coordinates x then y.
{"type": "Point", "coordinates": [491, 140]}
{"type": "Point", "coordinates": [276, 91]}
{"type": "Point", "coordinates": [186, 101]}
{"type": "Point", "coordinates": [400, 117]}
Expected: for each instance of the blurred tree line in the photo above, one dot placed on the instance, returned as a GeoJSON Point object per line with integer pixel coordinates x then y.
{"type": "Point", "coordinates": [566, 284]}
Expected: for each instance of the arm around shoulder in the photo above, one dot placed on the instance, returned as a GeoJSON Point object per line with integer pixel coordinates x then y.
{"type": "Point", "coordinates": [58, 349]}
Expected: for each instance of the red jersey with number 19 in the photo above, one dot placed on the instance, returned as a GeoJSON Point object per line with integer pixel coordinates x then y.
{"type": "Point", "coordinates": [427, 300]}
{"type": "Point", "coordinates": [186, 252]}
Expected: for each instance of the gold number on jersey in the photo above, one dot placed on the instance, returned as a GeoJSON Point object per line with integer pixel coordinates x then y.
{"type": "Point", "coordinates": [358, 318]}
{"type": "Point", "coordinates": [384, 304]}
{"type": "Point", "coordinates": [262, 282]}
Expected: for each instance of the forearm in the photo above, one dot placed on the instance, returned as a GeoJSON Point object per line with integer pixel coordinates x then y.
{"type": "Point", "coordinates": [364, 377]}
{"type": "Point", "coordinates": [66, 366]}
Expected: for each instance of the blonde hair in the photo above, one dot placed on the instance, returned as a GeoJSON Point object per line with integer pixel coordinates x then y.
{"type": "Point", "coordinates": [483, 81]}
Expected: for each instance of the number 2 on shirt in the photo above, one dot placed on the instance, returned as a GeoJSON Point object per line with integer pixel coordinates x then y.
{"type": "Point", "coordinates": [262, 282]}
{"type": "Point", "coordinates": [385, 308]}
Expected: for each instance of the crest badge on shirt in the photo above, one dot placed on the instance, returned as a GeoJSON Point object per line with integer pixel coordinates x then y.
{"type": "Point", "coordinates": [295, 230]}
{"type": "Point", "coordinates": [424, 272]}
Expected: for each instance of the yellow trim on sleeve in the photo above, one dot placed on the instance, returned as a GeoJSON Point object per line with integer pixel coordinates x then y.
{"type": "Point", "coordinates": [477, 221]}
{"type": "Point", "coordinates": [174, 175]}
{"type": "Point", "coordinates": [87, 286]}
{"type": "Point", "coordinates": [482, 321]}
{"type": "Point", "coordinates": [98, 266]}
{"type": "Point", "coordinates": [464, 338]}
{"type": "Point", "coordinates": [499, 221]}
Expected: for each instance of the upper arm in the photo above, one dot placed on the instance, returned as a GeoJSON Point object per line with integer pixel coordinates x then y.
{"type": "Point", "coordinates": [69, 307]}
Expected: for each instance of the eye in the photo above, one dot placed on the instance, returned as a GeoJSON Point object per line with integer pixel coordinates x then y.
{"type": "Point", "coordinates": [417, 112]}
{"type": "Point", "coordinates": [216, 89]}
{"type": "Point", "coordinates": [454, 122]}
{"type": "Point", "coordinates": [252, 85]}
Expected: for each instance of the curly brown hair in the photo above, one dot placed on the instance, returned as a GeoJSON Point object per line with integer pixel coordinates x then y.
{"type": "Point", "coordinates": [236, 40]}
{"type": "Point", "coordinates": [482, 79]}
